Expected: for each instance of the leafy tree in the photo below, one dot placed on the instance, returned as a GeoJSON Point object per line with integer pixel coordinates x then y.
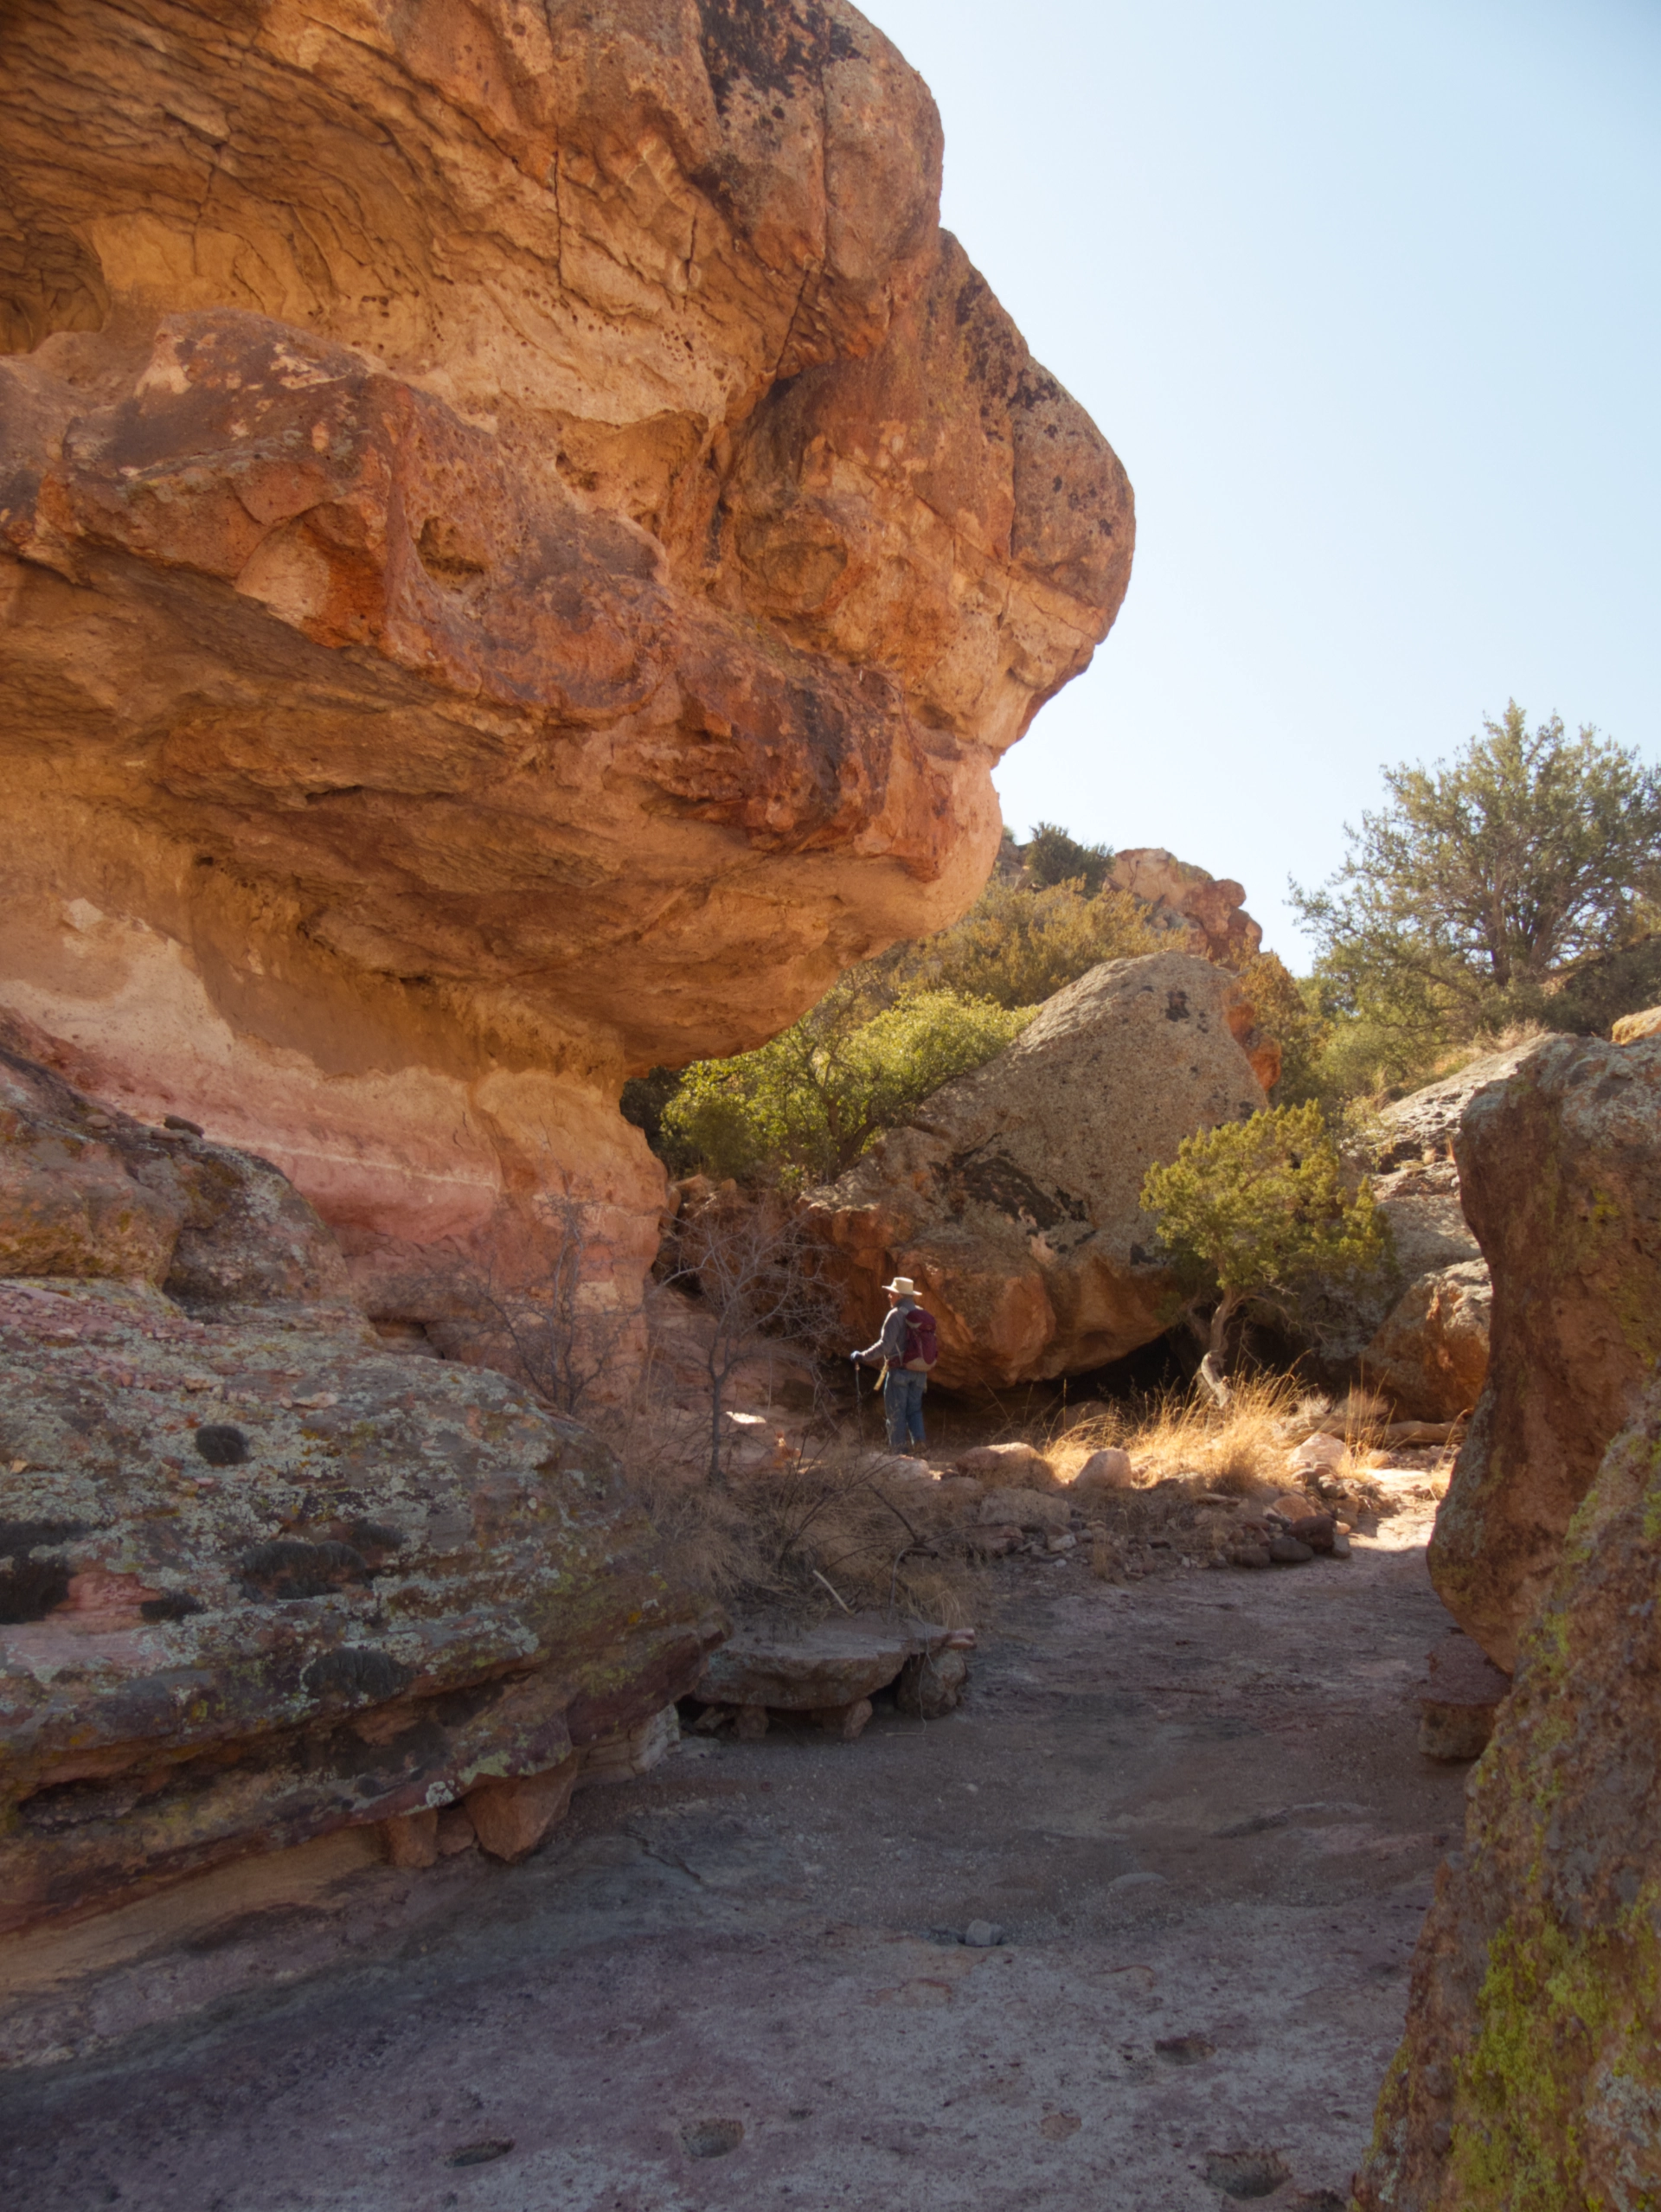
{"type": "Point", "coordinates": [1255, 1211]}
{"type": "Point", "coordinates": [1481, 883]}
{"type": "Point", "coordinates": [808, 1103]}
{"type": "Point", "coordinates": [1053, 856]}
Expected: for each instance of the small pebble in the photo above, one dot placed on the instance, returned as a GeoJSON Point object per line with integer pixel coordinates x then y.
{"type": "Point", "coordinates": [983, 1935]}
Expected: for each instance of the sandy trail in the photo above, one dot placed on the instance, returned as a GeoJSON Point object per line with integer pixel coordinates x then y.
{"type": "Point", "coordinates": [1193, 1806]}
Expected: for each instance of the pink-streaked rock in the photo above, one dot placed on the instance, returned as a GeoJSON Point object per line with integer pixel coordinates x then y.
{"type": "Point", "coordinates": [261, 1578]}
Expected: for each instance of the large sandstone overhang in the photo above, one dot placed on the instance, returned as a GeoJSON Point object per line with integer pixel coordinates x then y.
{"type": "Point", "coordinates": [522, 542]}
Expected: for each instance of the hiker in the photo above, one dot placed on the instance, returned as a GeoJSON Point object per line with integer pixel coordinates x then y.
{"type": "Point", "coordinates": [908, 1348]}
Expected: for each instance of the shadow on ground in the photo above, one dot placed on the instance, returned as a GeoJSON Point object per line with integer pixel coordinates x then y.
{"type": "Point", "coordinates": [1193, 1807]}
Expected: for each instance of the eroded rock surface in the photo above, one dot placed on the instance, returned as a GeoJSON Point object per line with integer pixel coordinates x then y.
{"type": "Point", "coordinates": [1206, 913]}
{"type": "Point", "coordinates": [1430, 1355]}
{"type": "Point", "coordinates": [521, 541]}
{"type": "Point", "coordinates": [1419, 1335]}
{"type": "Point", "coordinates": [1013, 1198]}
{"type": "Point", "coordinates": [259, 1578]}
{"type": "Point", "coordinates": [1530, 2074]}
{"type": "Point", "coordinates": [1559, 1172]}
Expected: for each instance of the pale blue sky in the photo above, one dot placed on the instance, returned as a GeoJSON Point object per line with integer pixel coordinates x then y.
{"type": "Point", "coordinates": [1366, 294]}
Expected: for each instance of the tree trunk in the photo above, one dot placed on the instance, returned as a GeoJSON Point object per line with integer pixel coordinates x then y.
{"type": "Point", "coordinates": [1213, 1365]}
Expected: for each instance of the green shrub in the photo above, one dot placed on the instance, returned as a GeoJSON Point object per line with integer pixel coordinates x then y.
{"type": "Point", "coordinates": [806, 1106]}
{"type": "Point", "coordinates": [1255, 1211]}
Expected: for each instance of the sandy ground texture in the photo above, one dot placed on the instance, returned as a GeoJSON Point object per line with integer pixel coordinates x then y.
{"type": "Point", "coordinates": [1193, 1807]}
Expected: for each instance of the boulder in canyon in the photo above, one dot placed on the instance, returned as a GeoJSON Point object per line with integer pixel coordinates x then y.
{"type": "Point", "coordinates": [1430, 1355]}
{"type": "Point", "coordinates": [1012, 1197]}
{"type": "Point", "coordinates": [521, 541]}
{"type": "Point", "coordinates": [259, 1578]}
{"type": "Point", "coordinates": [828, 1669]}
{"type": "Point", "coordinates": [1560, 1172]}
{"type": "Point", "coordinates": [1530, 2071]}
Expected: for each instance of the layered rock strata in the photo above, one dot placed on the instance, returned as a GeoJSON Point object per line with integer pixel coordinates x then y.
{"type": "Point", "coordinates": [522, 542]}
{"type": "Point", "coordinates": [1560, 1173]}
{"type": "Point", "coordinates": [1013, 1196]}
{"type": "Point", "coordinates": [259, 1578]}
{"type": "Point", "coordinates": [1530, 2074]}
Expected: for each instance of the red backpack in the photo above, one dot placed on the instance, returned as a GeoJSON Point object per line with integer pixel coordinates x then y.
{"type": "Point", "coordinates": [922, 1340]}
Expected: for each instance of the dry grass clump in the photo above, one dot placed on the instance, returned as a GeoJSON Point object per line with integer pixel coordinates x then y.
{"type": "Point", "coordinates": [1240, 1449]}
{"type": "Point", "coordinates": [832, 1531]}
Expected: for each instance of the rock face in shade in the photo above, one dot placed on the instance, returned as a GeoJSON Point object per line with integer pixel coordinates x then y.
{"type": "Point", "coordinates": [87, 1191]}
{"type": "Point", "coordinates": [1420, 1335]}
{"type": "Point", "coordinates": [260, 1579]}
{"type": "Point", "coordinates": [1559, 1172]}
{"type": "Point", "coordinates": [522, 542]}
{"type": "Point", "coordinates": [1430, 1357]}
{"type": "Point", "coordinates": [1530, 2073]}
{"type": "Point", "coordinates": [1013, 1198]}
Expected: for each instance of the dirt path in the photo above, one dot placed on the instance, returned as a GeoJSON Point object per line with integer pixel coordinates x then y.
{"type": "Point", "coordinates": [1195, 1806]}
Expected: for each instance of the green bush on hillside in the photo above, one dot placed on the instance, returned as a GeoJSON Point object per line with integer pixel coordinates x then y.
{"type": "Point", "coordinates": [1017, 947]}
{"type": "Point", "coordinates": [805, 1106]}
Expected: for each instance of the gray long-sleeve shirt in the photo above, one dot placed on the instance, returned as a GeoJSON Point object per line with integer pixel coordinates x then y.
{"type": "Point", "coordinates": [891, 1344]}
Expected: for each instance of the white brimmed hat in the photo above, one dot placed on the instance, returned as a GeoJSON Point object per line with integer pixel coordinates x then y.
{"type": "Point", "coordinates": [904, 1284]}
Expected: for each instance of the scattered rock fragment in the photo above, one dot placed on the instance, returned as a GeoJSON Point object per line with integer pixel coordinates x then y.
{"type": "Point", "coordinates": [1184, 2050]}
{"type": "Point", "coordinates": [1104, 1471]}
{"type": "Point", "coordinates": [481, 2154]}
{"type": "Point", "coordinates": [1247, 2174]}
{"type": "Point", "coordinates": [1016, 1463]}
{"type": "Point", "coordinates": [712, 2138]}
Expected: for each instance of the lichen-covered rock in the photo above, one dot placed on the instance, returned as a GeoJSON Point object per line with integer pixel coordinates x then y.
{"type": "Point", "coordinates": [1560, 1170]}
{"type": "Point", "coordinates": [1430, 1355]}
{"type": "Point", "coordinates": [522, 542]}
{"type": "Point", "coordinates": [1530, 2076]}
{"type": "Point", "coordinates": [260, 1579]}
{"type": "Point", "coordinates": [1013, 1196]}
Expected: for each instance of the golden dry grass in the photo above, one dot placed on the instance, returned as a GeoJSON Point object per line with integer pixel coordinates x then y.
{"type": "Point", "coordinates": [1233, 1448]}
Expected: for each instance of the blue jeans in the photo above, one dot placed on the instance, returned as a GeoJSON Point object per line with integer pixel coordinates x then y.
{"type": "Point", "coordinates": [902, 1402]}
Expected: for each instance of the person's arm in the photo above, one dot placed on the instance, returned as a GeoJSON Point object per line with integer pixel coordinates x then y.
{"type": "Point", "coordinates": [890, 1345]}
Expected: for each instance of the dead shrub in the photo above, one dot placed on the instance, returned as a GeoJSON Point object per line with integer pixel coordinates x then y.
{"type": "Point", "coordinates": [832, 1531]}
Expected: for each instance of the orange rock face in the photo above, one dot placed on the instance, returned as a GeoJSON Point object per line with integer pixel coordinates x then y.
{"type": "Point", "coordinates": [1207, 912]}
{"type": "Point", "coordinates": [522, 542]}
